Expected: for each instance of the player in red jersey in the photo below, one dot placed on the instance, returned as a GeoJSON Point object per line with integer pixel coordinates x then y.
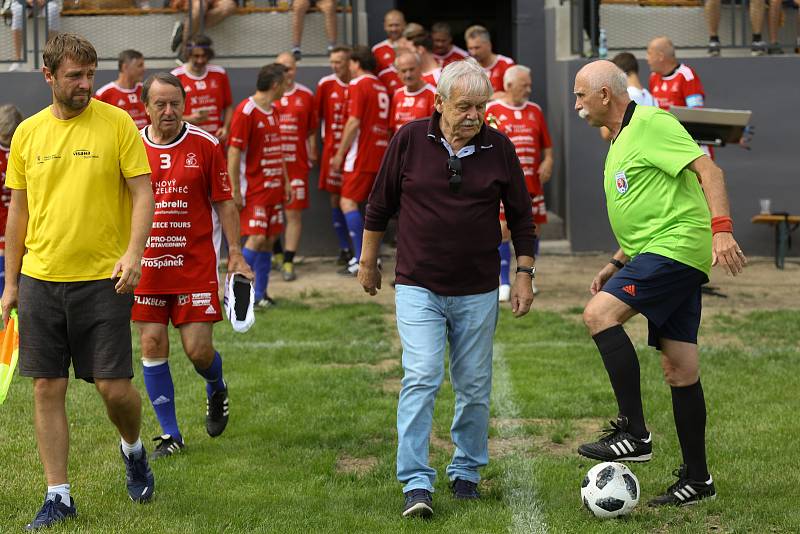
{"type": "Point", "coordinates": [415, 99]}
{"type": "Point", "coordinates": [261, 192]}
{"type": "Point", "coordinates": [524, 123]}
{"type": "Point", "coordinates": [331, 103]}
{"type": "Point", "coordinates": [394, 23]}
{"type": "Point", "coordinates": [298, 120]}
{"type": "Point", "coordinates": [479, 44]}
{"type": "Point", "coordinates": [179, 265]}
{"type": "Point", "coordinates": [365, 138]}
{"type": "Point", "coordinates": [10, 118]}
{"type": "Point", "coordinates": [208, 90]}
{"type": "Point", "coordinates": [390, 78]}
{"type": "Point", "coordinates": [126, 91]}
{"type": "Point", "coordinates": [444, 49]}
{"type": "Point", "coordinates": [673, 83]}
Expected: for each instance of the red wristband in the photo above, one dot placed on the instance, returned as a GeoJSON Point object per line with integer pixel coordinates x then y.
{"type": "Point", "coordinates": [721, 224]}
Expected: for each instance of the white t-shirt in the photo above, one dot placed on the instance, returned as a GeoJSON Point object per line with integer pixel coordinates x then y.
{"type": "Point", "coordinates": [641, 96]}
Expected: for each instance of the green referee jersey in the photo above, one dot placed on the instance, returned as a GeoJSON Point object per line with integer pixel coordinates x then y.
{"type": "Point", "coordinates": [655, 203]}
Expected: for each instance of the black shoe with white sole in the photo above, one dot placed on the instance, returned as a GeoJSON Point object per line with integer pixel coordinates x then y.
{"type": "Point", "coordinates": [685, 491]}
{"type": "Point", "coordinates": [618, 445]}
{"type": "Point", "coordinates": [166, 446]}
{"type": "Point", "coordinates": [419, 503]}
{"type": "Point", "coordinates": [217, 412]}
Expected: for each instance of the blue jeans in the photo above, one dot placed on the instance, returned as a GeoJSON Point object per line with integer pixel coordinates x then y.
{"type": "Point", "coordinates": [426, 322]}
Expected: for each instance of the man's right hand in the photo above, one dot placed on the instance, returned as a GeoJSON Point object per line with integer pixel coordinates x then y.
{"type": "Point", "coordinates": [369, 276]}
{"type": "Point", "coordinates": [9, 301]}
{"type": "Point", "coordinates": [237, 200]}
{"type": "Point", "coordinates": [602, 277]}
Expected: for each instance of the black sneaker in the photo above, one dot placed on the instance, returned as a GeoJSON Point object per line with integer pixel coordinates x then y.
{"type": "Point", "coordinates": [685, 491]}
{"type": "Point", "coordinates": [464, 489]}
{"type": "Point", "coordinates": [167, 446]}
{"type": "Point", "coordinates": [618, 445]}
{"type": "Point", "coordinates": [419, 503]}
{"type": "Point", "coordinates": [758, 48]}
{"type": "Point", "coordinates": [351, 269]}
{"type": "Point", "coordinates": [344, 256]}
{"type": "Point", "coordinates": [775, 49]}
{"type": "Point", "coordinates": [138, 476]}
{"type": "Point", "coordinates": [265, 303]}
{"type": "Point", "coordinates": [51, 512]}
{"type": "Point", "coordinates": [217, 412]}
{"type": "Point", "coordinates": [177, 36]}
{"type": "Point", "coordinates": [714, 48]}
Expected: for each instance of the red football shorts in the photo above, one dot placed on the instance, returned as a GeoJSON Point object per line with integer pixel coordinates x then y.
{"type": "Point", "coordinates": [538, 210]}
{"type": "Point", "coordinates": [299, 194]}
{"type": "Point", "coordinates": [357, 185]}
{"type": "Point", "coordinates": [180, 309]}
{"type": "Point", "coordinates": [257, 218]}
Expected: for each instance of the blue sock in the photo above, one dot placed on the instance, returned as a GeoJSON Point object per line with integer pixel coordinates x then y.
{"type": "Point", "coordinates": [355, 224]}
{"type": "Point", "coordinates": [249, 257]}
{"type": "Point", "coordinates": [2, 274]}
{"type": "Point", "coordinates": [158, 381]}
{"type": "Point", "coordinates": [340, 227]}
{"type": "Point", "coordinates": [213, 375]}
{"type": "Point", "coordinates": [505, 262]}
{"type": "Point", "coordinates": [262, 267]}
{"type": "Point", "coordinates": [535, 246]}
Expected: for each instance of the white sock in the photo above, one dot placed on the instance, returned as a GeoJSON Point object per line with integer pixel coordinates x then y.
{"type": "Point", "coordinates": [130, 449]}
{"type": "Point", "coordinates": [61, 489]}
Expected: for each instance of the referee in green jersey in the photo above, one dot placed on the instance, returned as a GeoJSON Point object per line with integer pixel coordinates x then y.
{"type": "Point", "coordinates": [670, 231]}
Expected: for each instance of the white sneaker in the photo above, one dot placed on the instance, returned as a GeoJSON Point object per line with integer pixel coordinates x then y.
{"type": "Point", "coordinates": [504, 293]}
{"type": "Point", "coordinates": [238, 301]}
{"type": "Point", "coordinates": [15, 66]}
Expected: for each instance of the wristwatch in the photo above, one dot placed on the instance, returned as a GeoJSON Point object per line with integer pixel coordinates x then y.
{"type": "Point", "coordinates": [530, 270]}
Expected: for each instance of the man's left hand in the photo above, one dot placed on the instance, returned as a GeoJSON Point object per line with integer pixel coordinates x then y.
{"type": "Point", "coordinates": [725, 250]}
{"type": "Point", "coordinates": [521, 295]}
{"type": "Point", "coordinates": [545, 171]}
{"type": "Point", "coordinates": [237, 264]}
{"type": "Point", "coordinates": [129, 271]}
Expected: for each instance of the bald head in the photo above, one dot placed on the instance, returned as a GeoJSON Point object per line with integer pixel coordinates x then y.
{"type": "Point", "coordinates": [287, 60]}
{"type": "Point", "coordinates": [661, 55]}
{"type": "Point", "coordinates": [601, 94]}
{"type": "Point", "coordinates": [394, 22]}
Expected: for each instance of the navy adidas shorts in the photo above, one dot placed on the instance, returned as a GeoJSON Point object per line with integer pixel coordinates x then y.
{"type": "Point", "coordinates": [665, 291]}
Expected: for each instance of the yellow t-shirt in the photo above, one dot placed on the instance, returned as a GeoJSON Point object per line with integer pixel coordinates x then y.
{"type": "Point", "coordinates": [79, 205]}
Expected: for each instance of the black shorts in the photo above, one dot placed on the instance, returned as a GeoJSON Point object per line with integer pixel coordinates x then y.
{"type": "Point", "coordinates": [665, 291]}
{"type": "Point", "coordinates": [86, 324]}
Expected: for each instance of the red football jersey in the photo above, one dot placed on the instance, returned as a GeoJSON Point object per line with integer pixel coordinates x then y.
{"type": "Point", "coordinates": [298, 119]}
{"type": "Point", "coordinates": [331, 104]}
{"type": "Point", "coordinates": [128, 99]}
{"type": "Point", "coordinates": [257, 133]}
{"type": "Point", "coordinates": [391, 79]}
{"type": "Point", "coordinates": [5, 193]}
{"type": "Point", "coordinates": [681, 88]}
{"type": "Point", "coordinates": [497, 69]}
{"type": "Point", "coordinates": [407, 106]}
{"type": "Point", "coordinates": [187, 176]}
{"type": "Point", "coordinates": [368, 101]}
{"type": "Point", "coordinates": [526, 127]}
{"type": "Point", "coordinates": [455, 54]}
{"type": "Point", "coordinates": [211, 91]}
{"type": "Point", "coordinates": [432, 76]}
{"type": "Point", "coordinates": [384, 54]}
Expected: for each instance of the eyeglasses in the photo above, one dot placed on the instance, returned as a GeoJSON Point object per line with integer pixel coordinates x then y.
{"type": "Point", "coordinates": [454, 166]}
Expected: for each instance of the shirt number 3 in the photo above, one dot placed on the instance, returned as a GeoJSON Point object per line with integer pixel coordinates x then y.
{"type": "Point", "coordinates": [166, 161]}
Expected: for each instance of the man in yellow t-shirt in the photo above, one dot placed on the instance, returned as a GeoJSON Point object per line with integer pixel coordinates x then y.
{"type": "Point", "coordinates": [81, 209]}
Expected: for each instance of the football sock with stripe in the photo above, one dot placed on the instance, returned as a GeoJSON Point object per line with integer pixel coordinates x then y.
{"type": "Point", "coordinates": [689, 410]}
{"type": "Point", "coordinates": [263, 265]}
{"type": "Point", "coordinates": [340, 227]}
{"type": "Point", "coordinates": [59, 489]}
{"type": "Point", "coordinates": [622, 365]}
{"type": "Point", "coordinates": [355, 226]}
{"type": "Point", "coordinates": [161, 390]}
{"type": "Point", "coordinates": [213, 375]}
{"type": "Point", "coordinates": [505, 262]}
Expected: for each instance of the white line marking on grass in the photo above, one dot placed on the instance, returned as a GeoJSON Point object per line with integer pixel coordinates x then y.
{"type": "Point", "coordinates": [519, 474]}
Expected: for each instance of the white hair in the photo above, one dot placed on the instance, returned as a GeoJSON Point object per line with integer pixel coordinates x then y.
{"type": "Point", "coordinates": [10, 118]}
{"type": "Point", "coordinates": [468, 76]}
{"type": "Point", "coordinates": [512, 72]}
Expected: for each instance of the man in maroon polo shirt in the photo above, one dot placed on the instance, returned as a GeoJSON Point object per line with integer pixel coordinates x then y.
{"type": "Point", "coordinates": [445, 177]}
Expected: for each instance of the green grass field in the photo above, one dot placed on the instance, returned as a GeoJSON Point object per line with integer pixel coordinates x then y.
{"type": "Point", "coordinates": [311, 442]}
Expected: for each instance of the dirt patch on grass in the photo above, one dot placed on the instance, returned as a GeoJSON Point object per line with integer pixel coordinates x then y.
{"type": "Point", "coordinates": [383, 366]}
{"type": "Point", "coordinates": [392, 385]}
{"type": "Point", "coordinates": [555, 437]}
{"type": "Point", "coordinates": [349, 465]}
{"type": "Point", "coordinates": [439, 443]}
{"type": "Point", "coordinates": [504, 446]}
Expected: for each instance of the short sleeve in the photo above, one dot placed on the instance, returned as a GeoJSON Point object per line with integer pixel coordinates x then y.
{"type": "Point", "coordinates": [667, 145]}
{"type": "Point", "coordinates": [220, 184]}
{"type": "Point", "coordinates": [132, 154]}
{"type": "Point", "coordinates": [355, 102]}
{"type": "Point", "coordinates": [15, 173]}
{"type": "Point", "coordinates": [693, 93]}
{"type": "Point", "coordinates": [240, 131]}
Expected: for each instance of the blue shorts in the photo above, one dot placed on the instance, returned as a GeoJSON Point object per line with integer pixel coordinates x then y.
{"type": "Point", "coordinates": [665, 291]}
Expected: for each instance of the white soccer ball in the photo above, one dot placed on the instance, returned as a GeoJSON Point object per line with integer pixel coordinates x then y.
{"type": "Point", "coordinates": [610, 489]}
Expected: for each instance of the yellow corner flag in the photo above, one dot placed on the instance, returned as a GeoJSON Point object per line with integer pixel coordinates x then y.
{"type": "Point", "coordinates": [9, 351]}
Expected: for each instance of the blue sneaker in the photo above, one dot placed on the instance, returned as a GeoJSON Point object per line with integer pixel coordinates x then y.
{"type": "Point", "coordinates": [51, 512]}
{"type": "Point", "coordinates": [138, 476]}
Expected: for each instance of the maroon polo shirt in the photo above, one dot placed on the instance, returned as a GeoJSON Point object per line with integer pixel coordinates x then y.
{"type": "Point", "coordinates": [447, 242]}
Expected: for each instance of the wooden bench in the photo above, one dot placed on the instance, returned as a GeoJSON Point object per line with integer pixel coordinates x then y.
{"type": "Point", "coordinates": [784, 225]}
